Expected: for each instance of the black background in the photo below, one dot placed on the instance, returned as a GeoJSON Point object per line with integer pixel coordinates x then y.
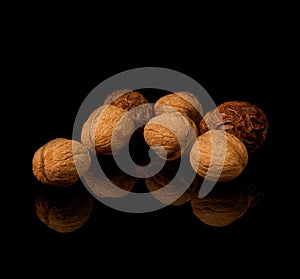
{"type": "Point", "coordinates": [61, 84]}
{"type": "Point", "coordinates": [60, 73]}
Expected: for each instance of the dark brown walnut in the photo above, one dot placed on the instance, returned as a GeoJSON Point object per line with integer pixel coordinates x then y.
{"type": "Point", "coordinates": [106, 180]}
{"type": "Point", "coordinates": [224, 205]}
{"type": "Point", "coordinates": [183, 102]}
{"type": "Point", "coordinates": [60, 162]}
{"type": "Point", "coordinates": [107, 126]}
{"type": "Point", "coordinates": [64, 210]}
{"type": "Point", "coordinates": [218, 156]}
{"type": "Point", "coordinates": [246, 121]}
{"type": "Point", "coordinates": [169, 188]}
{"type": "Point", "coordinates": [138, 106]}
{"type": "Point", "coordinates": [170, 135]}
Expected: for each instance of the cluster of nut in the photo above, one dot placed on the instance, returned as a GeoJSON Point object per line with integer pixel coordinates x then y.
{"type": "Point", "coordinates": [217, 143]}
{"type": "Point", "coordinates": [224, 136]}
{"type": "Point", "coordinates": [228, 134]}
{"type": "Point", "coordinates": [61, 161]}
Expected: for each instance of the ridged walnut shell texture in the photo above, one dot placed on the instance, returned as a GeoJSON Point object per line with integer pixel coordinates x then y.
{"type": "Point", "coordinates": [134, 102]}
{"type": "Point", "coordinates": [60, 162]}
{"type": "Point", "coordinates": [64, 212]}
{"type": "Point", "coordinates": [170, 135]}
{"type": "Point", "coordinates": [107, 126]}
{"type": "Point", "coordinates": [183, 102]}
{"type": "Point", "coordinates": [246, 121]}
{"type": "Point", "coordinates": [218, 156]}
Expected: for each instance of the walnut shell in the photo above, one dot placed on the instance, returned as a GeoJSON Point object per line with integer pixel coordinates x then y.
{"type": "Point", "coordinates": [66, 210]}
{"type": "Point", "coordinates": [218, 156]}
{"type": "Point", "coordinates": [138, 106]}
{"type": "Point", "coordinates": [170, 135]}
{"type": "Point", "coordinates": [183, 102]}
{"type": "Point", "coordinates": [106, 126]}
{"type": "Point", "coordinates": [99, 183]}
{"type": "Point", "coordinates": [246, 121]}
{"type": "Point", "coordinates": [60, 162]}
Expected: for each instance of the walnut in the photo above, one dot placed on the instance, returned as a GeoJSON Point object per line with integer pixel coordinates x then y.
{"type": "Point", "coordinates": [100, 182]}
{"type": "Point", "coordinates": [60, 162]}
{"type": "Point", "coordinates": [107, 126]}
{"type": "Point", "coordinates": [224, 205]}
{"type": "Point", "coordinates": [138, 106]}
{"type": "Point", "coordinates": [176, 193]}
{"type": "Point", "coordinates": [170, 135]}
{"type": "Point", "coordinates": [64, 209]}
{"type": "Point", "coordinates": [246, 121]}
{"type": "Point", "coordinates": [183, 102]}
{"type": "Point", "coordinates": [218, 156]}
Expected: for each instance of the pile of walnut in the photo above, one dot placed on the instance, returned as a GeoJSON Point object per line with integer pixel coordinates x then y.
{"type": "Point", "coordinates": [217, 143]}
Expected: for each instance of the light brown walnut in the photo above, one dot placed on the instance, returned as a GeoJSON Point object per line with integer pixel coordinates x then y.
{"type": "Point", "coordinates": [218, 156]}
{"type": "Point", "coordinates": [183, 102]}
{"type": "Point", "coordinates": [134, 102]}
{"type": "Point", "coordinates": [107, 126]}
{"type": "Point", "coordinates": [170, 135]}
{"type": "Point", "coordinates": [246, 121]}
{"type": "Point", "coordinates": [60, 162]}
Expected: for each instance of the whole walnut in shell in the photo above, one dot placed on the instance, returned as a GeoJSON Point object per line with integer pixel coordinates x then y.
{"type": "Point", "coordinates": [183, 102]}
{"type": "Point", "coordinates": [218, 156]}
{"type": "Point", "coordinates": [60, 162]}
{"type": "Point", "coordinates": [64, 210]}
{"type": "Point", "coordinates": [134, 102]}
{"type": "Point", "coordinates": [170, 135]}
{"type": "Point", "coordinates": [107, 126]}
{"type": "Point", "coordinates": [246, 121]}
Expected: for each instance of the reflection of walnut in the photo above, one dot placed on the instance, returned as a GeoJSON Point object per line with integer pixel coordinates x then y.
{"type": "Point", "coordinates": [106, 180]}
{"type": "Point", "coordinates": [244, 120]}
{"type": "Point", "coordinates": [170, 135]}
{"type": "Point", "coordinates": [107, 126]}
{"type": "Point", "coordinates": [177, 190]}
{"type": "Point", "coordinates": [183, 102]}
{"type": "Point", "coordinates": [220, 208]}
{"type": "Point", "coordinates": [64, 210]}
{"type": "Point", "coordinates": [60, 162]}
{"type": "Point", "coordinates": [218, 156]}
{"type": "Point", "coordinates": [224, 205]}
{"type": "Point", "coordinates": [137, 105]}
